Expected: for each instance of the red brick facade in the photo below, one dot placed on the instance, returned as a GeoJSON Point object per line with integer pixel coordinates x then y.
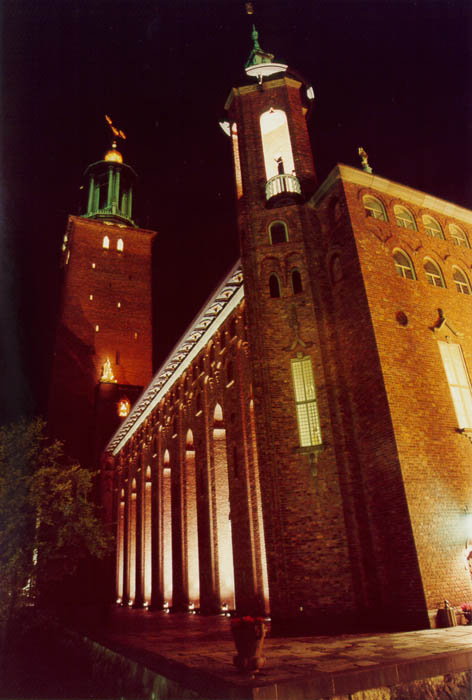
{"type": "Point", "coordinates": [233, 484]}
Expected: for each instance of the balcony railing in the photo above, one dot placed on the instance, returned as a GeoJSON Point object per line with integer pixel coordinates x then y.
{"type": "Point", "coordinates": [284, 183]}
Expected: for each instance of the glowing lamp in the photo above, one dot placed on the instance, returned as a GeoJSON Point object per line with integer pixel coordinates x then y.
{"type": "Point", "coordinates": [113, 155]}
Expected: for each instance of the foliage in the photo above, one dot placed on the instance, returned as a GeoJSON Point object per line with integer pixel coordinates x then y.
{"type": "Point", "coordinates": [47, 519]}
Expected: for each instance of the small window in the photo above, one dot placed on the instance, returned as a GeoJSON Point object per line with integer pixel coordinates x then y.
{"type": "Point", "coordinates": [198, 403]}
{"type": "Point", "coordinates": [433, 273]}
{"type": "Point", "coordinates": [106, 242]}
{"type": "Point", "coordinates": [459, 382]}
{"type": "Point", "coordinates": [374, 207]}
{"type": "Point", "coordinates": [405, 218]}
{"type": "Point", "coordinates": [296, 282]}
{"type": "Point", "coordinates": [461, 281]}
{"type": "Point", "coordinates": [278, 232]}
{"type": "Point", "coordinates": [212, 354]}
{"type": "Point", "coordinates": [403, 265]}
{"type": "Point", "coordinates": [91, 297]}
{"type": "Point", "coordinates": [229, 372]}
{"type": "Point", "coordinates": [97, 328]}
{"type": "Point", "coordinates": [274, 286]}
{"type": "Point", "coordinates": [120, 245]}
{"type": "Point", "coordinates": [433, 228]}
{"type": "Point", "coordinates": [458, 236]}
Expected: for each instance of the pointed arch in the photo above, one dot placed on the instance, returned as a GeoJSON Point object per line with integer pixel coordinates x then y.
{"type": "Point", "coordinates": [106, 243]}
{"type": "Point", "coordinates": [276, 144]}
{"type": "Point", "coordinates": [274, 286]}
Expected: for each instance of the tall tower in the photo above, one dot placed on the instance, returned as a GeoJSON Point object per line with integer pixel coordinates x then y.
{"type": "Point", "coordinates": [103, 354]}
{"type": "Point", "coordinates": [303, 514]}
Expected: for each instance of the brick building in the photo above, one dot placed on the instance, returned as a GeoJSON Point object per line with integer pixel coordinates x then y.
{"type": "Point", "coordinates": [305, 448]}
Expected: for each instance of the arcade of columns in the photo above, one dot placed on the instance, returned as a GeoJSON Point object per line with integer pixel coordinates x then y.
{"type": "Point", "coordinates": [187, 497]}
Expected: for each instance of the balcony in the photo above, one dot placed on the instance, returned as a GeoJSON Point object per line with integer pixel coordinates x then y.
{"type": "Point", "coordinates": [282, 186]}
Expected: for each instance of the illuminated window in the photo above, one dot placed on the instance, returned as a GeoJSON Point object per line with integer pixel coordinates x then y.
{"type": "Point", "coordinates": [403, 265]}
{"type": "Point", "coordinates": [106, 242]}
{"type": "Point", "coordinates": [135, 335]}
{"type": "Point", "coordinates": [118, 305]}
{"type": "Point", "coordinates": [297, 285]}
{"type": "Point", "coordinates": [91, 297]}
{"type": "Point", "coordinates": [123, 407]}
{"type": "Point", "coordinates": [405, 218]}
{"type": "Point", "coordinates": [461, 281]}
{"type": "Point", "coordinates": [374, 207]}
{"type": "Point", "coordinates": [276, 144]}
{"type": "Point", "coordinates": [433, 227]}
{"type": "Point", "coordinates": [305, 402]}
{"type": "Point", "coordinates": [67, 257]}
{"type": "Point", "coordinates": [278, 232]}
{"type": "Point", "coordinates": [274, 286]}
{"type": "Point", "coordinates": [93, 266]}
{"type": "Point", "coordinates": [97, 328]}
{"type": "Point", "coordinates": [433, 273]}
{"type": "Point", "coordinates": [459, 382]}
{"type": "Point", "coordinates": [458, 236]}
{"type": "Point", "coordinates": [120, 245]}
{"type": "Point", "coordinates": [237, 162]}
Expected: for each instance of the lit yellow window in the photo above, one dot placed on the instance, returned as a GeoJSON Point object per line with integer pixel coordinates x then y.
{"type": "Point", "coordinates": [305, 402]}
{"type": "Point", "coordinates": [123, 407]}
{"type": "Point", "coordinates": [459, 382]}
{"type": "Point", "coordinates": [106, 242]}
{"type": "Point", "coordinates": [120, 245]}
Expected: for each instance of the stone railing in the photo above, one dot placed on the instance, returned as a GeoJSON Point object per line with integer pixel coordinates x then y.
{"type": "Point", "coordinates": [282, 183]}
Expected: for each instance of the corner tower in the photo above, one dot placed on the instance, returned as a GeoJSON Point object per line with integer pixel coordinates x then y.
{"type": "Point", "coordinates": [103, 354]}
{"type": "Point", "coordinates": [305, 533]}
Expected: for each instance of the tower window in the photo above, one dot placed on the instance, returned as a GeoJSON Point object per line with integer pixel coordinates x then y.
{"type": "Point", "coordinates": [97, 328]}
{"type": "Point", "coordinates": [274, 286]}
{"type": "Point", "coordinates": [459, 382]}
{"type": "Point", "coordinates": [374, 207]}
{"type": "Point", "coordinates": [403, 265]}
{"type": "Point", "coordinates": [297, 285]}
{"type": "Point", "coordinates": [278, 232]}
{"type": "Point", "coordinates": [135, 335]}
{"type": "Point", "coordinates": [309, 429]}
{"type": "Point", "coordinates": [458, 236]}
{"type": "Point", "coordinates": [106, 242]}
{"type": "Point", "coordinates": [118, 306]}
{"type": "Point", "coordinates": [405, 218]}
{"type": "Point", "coordinates": [434, 274]}
{"type": "Point", "coordinates": [461, 281]}
{"type": "Point", "coordinates": [120, 245]}
{"type": "Point", "coordinates": [91, 297]}
{"type": "Point", "coordinates": [278, 157]}
{"type": "Point", "coordinates": [123, 407]}
{"type": "Point", "coordinates": [93, 266]}
{"type": "Point", "coordinates": [433, 228]}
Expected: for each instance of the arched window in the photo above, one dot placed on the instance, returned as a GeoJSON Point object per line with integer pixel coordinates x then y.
{"type": "Point", "coordinates": [274, 286]}
{"type": "Point", "coordinates": [433, 227]}
{"type": "Point", "coordinates": [297, 285]}
{"type": "Point", "coordinates": [374, 207]}
{"type": "Point", "coordinates": [276, 144]}
{"type": "Point", "coordinates": [405, 218]}
{"type": "Point", "coordinates": [403, 265]}
{"type": "Point", "coordinates": [458, 236]}
{"type": "Point", "coordinates": [120, 245]}
{"type": "Point", "coordinates": [433, 273]}
{"type": "Point", "coordinates": [106, 242]}
{"type": "Point", "coordinates": [278, 232]}
{"type": "Point", "coordinates": [461, 281]}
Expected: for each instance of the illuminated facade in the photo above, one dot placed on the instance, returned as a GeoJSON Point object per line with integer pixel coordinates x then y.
{"type": "Point", "coordinates": [305, 449]}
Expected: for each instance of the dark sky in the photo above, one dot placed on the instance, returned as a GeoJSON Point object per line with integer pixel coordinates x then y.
{"type": "Point", "coordinates": [391, 76]}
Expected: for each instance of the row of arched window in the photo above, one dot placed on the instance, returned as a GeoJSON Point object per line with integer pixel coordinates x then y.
{"type": "Point", "coordinates": [405, 219]}
{"type": "Point", "coordinates": [295, 281]}
{"type": "Point", "coordinates": [434, 275]}
{"type": "Point", "coordinates": [119, 244]}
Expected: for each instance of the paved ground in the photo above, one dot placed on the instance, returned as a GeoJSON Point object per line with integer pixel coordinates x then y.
{"type": "Point", "coordinates": [194, 648]}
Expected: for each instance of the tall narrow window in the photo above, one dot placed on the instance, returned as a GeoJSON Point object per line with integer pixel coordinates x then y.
{"type": "Point", "coordinates": [405, 218]}
{"type": "Point", "coordinates": [461, 281]}
{"type": "Point", "coordinates": [433, 228]}
{"type": "Point", "coordinates": [276, 144]}
{"type": "Point", "coordinates": [120, 245]}
{"type": "Point", "coordinates": [106, 242]}
{"type": "Point", "coordinates": [459, 382]}
{"type": "Point", "coordinates": [434, 274]}
{"type": "Point", "coordinates": [403, 265]}
{"type": "Point", "coordinates": [458, 236]}
{"type": "Point", "coordinates": [237, 162]}
{"type": "Point", "coordinates": [274, 286]}
{"type": "Point", "coordinates": [305, 401]}
{"type": "Point", "coordinates": [374, 207]}
{"type": "Point", "coordinates": [297, 285]}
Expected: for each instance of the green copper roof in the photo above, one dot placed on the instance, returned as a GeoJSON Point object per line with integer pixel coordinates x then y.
{"type": "Point", "coordinates": [257, 55]}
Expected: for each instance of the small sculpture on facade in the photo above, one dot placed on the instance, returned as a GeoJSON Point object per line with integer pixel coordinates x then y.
{"type": "Point", "coordinates": [364, 160]}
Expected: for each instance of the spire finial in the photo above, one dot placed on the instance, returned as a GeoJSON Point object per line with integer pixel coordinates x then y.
{"type": "Point", "coordinates": [255, 39]}
{"type": "Point", "coordinates": [364, 160]}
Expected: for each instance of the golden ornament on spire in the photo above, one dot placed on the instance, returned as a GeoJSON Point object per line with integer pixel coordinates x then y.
{"type": "Point", "coordinates": [107, 373]}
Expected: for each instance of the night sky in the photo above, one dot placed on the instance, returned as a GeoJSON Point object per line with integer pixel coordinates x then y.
{"type": "Point", "coordinates": [393, 77]}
